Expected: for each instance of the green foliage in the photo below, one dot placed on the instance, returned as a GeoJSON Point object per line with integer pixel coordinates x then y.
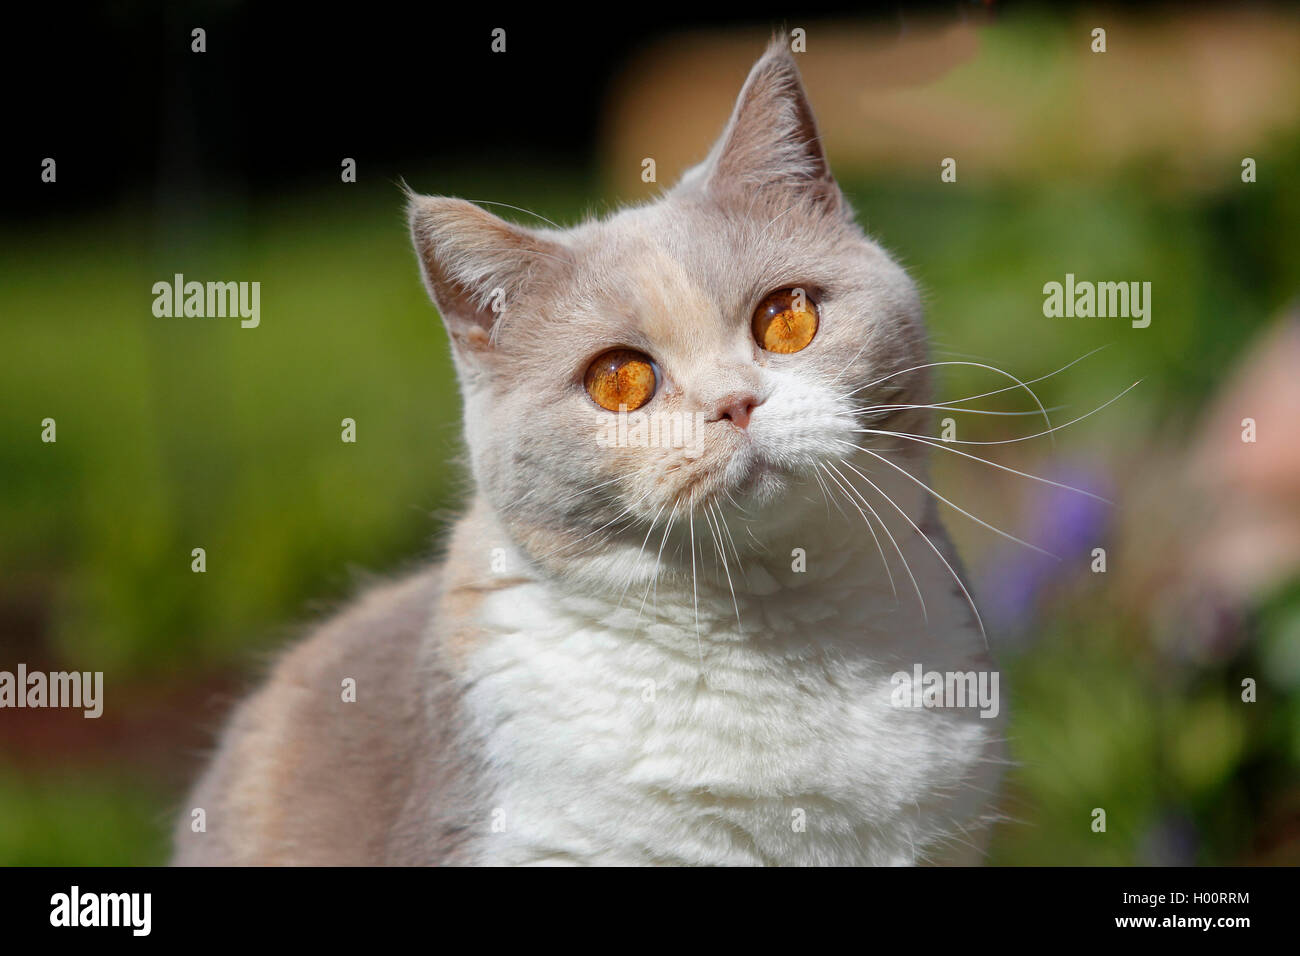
{"type": "Point", "coordinates": [81, 818]}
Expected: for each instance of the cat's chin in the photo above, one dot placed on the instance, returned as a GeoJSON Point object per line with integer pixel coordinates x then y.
{"type": "Point", "coordinates": [770, 491]}
{"type": "Point", "coordinates": [762, 484]}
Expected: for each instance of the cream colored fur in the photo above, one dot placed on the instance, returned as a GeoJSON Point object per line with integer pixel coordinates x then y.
{"type": "Point", "coordinates": [648, 655]}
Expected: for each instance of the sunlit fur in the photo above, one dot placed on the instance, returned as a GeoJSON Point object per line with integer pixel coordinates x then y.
{"type": "Point", "coordinates": [674, 565]}
{"type": "Point", "coordinates": [648, 655]}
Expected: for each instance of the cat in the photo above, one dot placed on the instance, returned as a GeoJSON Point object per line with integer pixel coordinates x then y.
{"type": "Point", "coordinates": [648, 652]}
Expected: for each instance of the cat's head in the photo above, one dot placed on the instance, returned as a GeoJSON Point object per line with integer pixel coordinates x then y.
{"type": "Point", "coordinates": [744, 308]}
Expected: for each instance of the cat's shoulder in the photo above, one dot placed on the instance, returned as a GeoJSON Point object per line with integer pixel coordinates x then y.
{"type": "Point", "coordinates": [340, 746]}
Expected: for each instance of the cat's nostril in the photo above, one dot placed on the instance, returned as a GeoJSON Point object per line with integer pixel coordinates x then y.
{"type": "Point", "coordinates": [738, 409]}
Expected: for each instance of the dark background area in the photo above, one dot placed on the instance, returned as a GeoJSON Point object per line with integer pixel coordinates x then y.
{"type": "Point", "coordinates": [115, 94]}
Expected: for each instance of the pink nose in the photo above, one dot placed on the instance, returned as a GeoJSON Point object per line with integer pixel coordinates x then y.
{"type": "Point", "coordinates": [738, 408]}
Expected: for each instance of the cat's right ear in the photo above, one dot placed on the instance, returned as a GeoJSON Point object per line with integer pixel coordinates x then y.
{"type": "Point", "coordinates": [770, 144]}
{"type": "Point", "coordinates": [474, 265]}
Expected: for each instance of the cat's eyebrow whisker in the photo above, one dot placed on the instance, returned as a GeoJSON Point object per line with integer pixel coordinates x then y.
{"type": "Point", "coordinates": [991, 368]}
{"type": "Point", "coordinates": [950, 504]}
{"type": "Point", "coordinates": [1055, 428]}
{"type": "Point", "coordinates": [876, 538]}
{"type": "Point", "coordinates": [773, 222]}
{"type": "Point", "coordinates": [926, 538]}
{"type": "Point", "coordinates": [955, 451]}
{"type": "Point", "coordinates": [506, 205]}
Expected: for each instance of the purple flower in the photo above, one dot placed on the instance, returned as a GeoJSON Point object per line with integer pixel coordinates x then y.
{"type": "Point", "coordinates": [1063, 522]}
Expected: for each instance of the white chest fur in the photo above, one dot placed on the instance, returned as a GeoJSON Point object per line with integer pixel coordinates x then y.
{"type": "Point", "coordinates": [612, 737]}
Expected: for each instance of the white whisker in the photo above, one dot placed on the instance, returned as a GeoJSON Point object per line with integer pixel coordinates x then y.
{"type": "Point", "coordinates": [991, 368]}
{"type": "Point", "coordinates": [949, 408]}
{"type": "Point", "coordinates": [672, 517]}
{"type": "Point", "coordinates": [1057, 428]}
{"type": "Point", "coordinates": [734, 550]}
{"type": "Point", "coordinates": [721, 551]}
{"type": "Point", "coordinates": [1032, 381]}
{"type": "Point", "coordinates": [939, 554]}
{"type": "Point", "coordinates": [950, 504]}
{"type": "Point", "coordinates": [876, 538]}
{"type": "Point", "coordinates": [955, 451]}
{"type": "Point", "coordinates": [632, 573]}
{"type": "Point", "coordinates": [695, 589]}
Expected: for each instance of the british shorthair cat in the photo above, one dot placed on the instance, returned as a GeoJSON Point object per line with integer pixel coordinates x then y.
{"type": "Point", "coordinates": [670, 624]}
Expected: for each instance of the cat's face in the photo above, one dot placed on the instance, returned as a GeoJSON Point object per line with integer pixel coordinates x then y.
{"type": "Point", "coordinates": [743, 319]}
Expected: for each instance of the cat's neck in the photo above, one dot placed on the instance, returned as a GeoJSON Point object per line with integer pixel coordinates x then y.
{"type": "Point", "coordinates": [825, 579]}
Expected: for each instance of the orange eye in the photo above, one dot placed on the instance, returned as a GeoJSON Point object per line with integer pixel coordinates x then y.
{"type": "Point", "coordinates": [621, 377]}
{"type": "Point", "coordinates": [785, 321]}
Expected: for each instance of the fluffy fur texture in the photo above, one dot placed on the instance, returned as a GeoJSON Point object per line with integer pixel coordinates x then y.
{"type": "Point", "coordinates": [618, 661]}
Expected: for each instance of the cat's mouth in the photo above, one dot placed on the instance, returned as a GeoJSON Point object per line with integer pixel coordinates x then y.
{"type": "Point", "coordinates": [753, 475]}
{"type": "Point", "coordinates": [759, 471]}
{"type": "Point", "coordinates": [738, 473]}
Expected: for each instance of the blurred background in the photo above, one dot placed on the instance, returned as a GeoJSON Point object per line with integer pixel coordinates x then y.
{"type": "Point", "coordinates": [1125, 687]}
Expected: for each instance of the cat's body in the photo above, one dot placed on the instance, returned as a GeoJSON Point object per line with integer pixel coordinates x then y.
{"type": "Point", "coordinates": [647, 655]}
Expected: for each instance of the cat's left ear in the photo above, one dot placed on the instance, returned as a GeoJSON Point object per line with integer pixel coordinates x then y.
{"type": "Point", "coordinates": [771, 141]}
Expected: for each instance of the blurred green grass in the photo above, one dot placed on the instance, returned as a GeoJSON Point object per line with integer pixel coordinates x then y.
{"type": "Point", "coordinates": [75, 818]}
{"type": "Point", "coordinates": [183, 433]}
